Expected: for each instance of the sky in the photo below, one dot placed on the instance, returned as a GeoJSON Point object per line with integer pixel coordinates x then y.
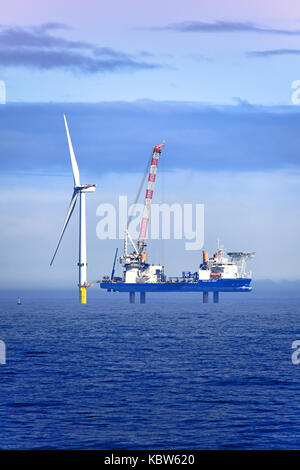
{"type": "Point", "coordinates": [209, 50]}
{"type": "Point", "coordinates": [212, 78]}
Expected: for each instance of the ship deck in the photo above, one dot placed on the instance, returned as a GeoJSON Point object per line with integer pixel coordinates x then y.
{"type": "Point", "coordinates": [216, 285]}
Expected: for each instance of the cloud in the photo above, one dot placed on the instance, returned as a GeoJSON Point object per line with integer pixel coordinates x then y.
{"type": "Point", "coordinates": [225, 27]}
{"type": "Point", "coordinates": [273, 52]}
{"type": "Point", "coordinates": [37, 47]}
{"type": "Point", "coordinates": [118, 136]}
{"type": "Point", "coordinates": [69, 60]}
{"type": "Point", "coordinates": [199, 57]}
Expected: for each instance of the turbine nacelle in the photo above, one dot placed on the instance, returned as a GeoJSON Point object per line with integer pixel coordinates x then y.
{"type": "Point", "coordinates": [85, 188]}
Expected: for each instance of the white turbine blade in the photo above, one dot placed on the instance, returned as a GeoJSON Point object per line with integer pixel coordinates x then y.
{"type": "Point", "coordinates": [69, 213]}
{"type": "Point", "coordinates": [72, 155]}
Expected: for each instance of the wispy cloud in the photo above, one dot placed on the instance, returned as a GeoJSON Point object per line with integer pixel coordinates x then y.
{"type": "Point", "coordinates": [225, 27]}
{"type": "Point", "coordinates": [199, 57]}
{"type": "Point", "coordinates": [39, 47]}
{"type": "Point", "coordinates": [273, 52]}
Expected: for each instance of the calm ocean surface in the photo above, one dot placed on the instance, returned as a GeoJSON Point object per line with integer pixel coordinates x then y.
{"type": "Point", "coordinates": [165, 375]}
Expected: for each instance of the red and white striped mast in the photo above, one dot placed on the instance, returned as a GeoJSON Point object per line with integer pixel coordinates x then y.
{"type": "Point", "coordinates": [148, 198]}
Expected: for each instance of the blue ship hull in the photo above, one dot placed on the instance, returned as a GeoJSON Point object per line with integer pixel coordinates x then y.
{"type": "Point", "coordinates": [216, 285]}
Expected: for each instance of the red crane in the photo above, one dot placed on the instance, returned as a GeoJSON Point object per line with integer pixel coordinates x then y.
{"type": "Point", "coordinates": [148, 197]}
{"type": "Point", "coordinates": [138, 256]}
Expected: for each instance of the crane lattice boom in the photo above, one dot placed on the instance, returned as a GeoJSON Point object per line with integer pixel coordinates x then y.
{"type": "Point", "coordinates": [149, 195]}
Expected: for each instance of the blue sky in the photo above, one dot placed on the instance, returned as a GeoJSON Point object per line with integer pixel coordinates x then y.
{"type": "Point", "coordinates": [211, 78]}
{"type": "Point", "coordinates": [212, 51]}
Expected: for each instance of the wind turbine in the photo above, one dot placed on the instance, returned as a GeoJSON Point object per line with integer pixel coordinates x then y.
{"type": "Point", "coordinates": [79, 189]}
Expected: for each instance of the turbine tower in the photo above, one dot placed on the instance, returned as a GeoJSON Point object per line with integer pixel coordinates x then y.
{"type": "Point", "coordinates": [79, 189]}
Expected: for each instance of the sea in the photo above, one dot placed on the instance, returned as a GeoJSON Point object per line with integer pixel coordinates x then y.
{"type": "Point", "coordinates": [172, 374]}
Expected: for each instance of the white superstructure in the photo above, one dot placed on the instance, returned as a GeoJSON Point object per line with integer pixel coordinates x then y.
{"type": "Point", "coordinates": [224, 265]}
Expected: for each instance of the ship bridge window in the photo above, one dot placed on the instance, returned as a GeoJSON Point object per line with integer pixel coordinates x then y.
{"type": "Point", "coordinates": [217, 269]}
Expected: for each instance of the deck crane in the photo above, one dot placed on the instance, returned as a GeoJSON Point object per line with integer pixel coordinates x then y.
{"type": "Point", "coordinates": [148, 197]}
{"type": "Point", "coordinates": [136, 268]}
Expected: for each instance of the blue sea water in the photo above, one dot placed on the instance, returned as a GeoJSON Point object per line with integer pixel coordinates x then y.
{"type": "Point", "coordinates": [171, 374]}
